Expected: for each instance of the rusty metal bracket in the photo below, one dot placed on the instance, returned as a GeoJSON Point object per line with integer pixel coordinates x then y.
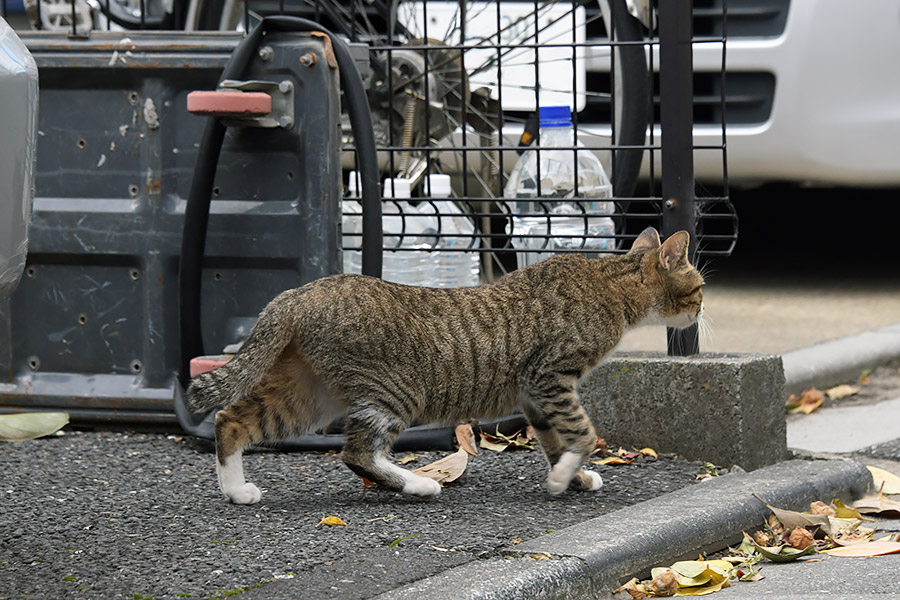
{"type": "Point", "coordinates": [330, 58]}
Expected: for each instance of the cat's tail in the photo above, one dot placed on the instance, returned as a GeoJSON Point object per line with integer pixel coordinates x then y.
{"type": "Point", "coordinates": [273, 331]}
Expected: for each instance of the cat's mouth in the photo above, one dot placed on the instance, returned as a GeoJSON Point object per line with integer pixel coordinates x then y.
{"type": "Point", "coordinates": [685, 319]}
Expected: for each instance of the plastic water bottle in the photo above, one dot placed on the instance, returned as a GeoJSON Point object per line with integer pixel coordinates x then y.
{"type": "Point", "coordinates": [557, 218]}
{"type": "Point", "coordinates": [351, 226]}
{"type": "Point", "coordinates": [454, 268]}
{"type": "Point", "coordinates": [412, 228]}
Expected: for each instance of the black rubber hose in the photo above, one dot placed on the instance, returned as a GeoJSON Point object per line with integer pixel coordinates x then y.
{"type": "Point", "coordinates": [196, 214]}
{"type": "Point", "coordinates": [357, 104]}
{"type": "Point", "coordinates": [632, 131]}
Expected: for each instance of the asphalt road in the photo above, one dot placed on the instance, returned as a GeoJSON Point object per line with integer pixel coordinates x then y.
{"type": "Point", "coordinates": [137, 516]}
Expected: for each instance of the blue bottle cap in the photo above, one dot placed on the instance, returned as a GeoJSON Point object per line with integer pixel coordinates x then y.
{"type": "Point", "coordinates": [555, 116]}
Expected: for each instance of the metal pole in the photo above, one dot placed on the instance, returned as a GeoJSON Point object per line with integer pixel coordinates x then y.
{"type": "Point", "coordinates": [676, 117]}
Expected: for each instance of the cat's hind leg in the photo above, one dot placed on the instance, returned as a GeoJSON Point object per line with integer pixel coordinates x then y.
{"type": "Point", "coordinates": [371, 429]}
{"type": "Point", "coordinates": [251, 420]}
{"type": "Point", "coordinates": [567, 438]}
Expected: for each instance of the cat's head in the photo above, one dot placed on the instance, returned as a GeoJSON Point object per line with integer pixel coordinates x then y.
{"type": "Point", "coordinates": [679, 285]}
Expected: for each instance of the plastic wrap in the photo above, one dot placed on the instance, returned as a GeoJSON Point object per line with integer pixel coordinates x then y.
{"type": "Point", "coordinates": [18, 140]}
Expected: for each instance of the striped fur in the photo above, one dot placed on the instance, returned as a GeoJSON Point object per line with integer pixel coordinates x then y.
{"type": "Point", "coordinates": [383, 355]}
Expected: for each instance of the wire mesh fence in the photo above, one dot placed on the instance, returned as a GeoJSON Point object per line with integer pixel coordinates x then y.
{"type": "Point", "coordinates": [456, 87]}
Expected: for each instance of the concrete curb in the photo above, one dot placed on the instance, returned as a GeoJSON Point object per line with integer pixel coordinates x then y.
{"type": "Point", "coordinates": [591, 559]}
{"type": "Point", "coordinates": [839, 360]}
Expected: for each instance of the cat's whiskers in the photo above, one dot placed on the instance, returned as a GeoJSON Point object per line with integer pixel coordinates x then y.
{"type": "Point", "coordinates": [706, 329]}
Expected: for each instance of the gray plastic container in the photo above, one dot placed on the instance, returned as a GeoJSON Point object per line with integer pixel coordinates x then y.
{"type": "Point", "coordinates": [18, 131]}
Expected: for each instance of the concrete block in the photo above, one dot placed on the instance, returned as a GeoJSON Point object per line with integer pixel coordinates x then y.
{"type": "Point", "coordinates": [727, 409]}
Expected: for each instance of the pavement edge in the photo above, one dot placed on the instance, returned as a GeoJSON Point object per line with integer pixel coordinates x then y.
{"type": "Point", "coordinates": [839, 360]}
{"type": "Point", "coordinates": [591, 559]}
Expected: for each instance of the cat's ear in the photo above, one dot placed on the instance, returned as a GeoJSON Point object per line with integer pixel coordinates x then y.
{"type": "Point", "coordinates": [674, 249]}
{"type": "Point", "coordinates": [648, 239]}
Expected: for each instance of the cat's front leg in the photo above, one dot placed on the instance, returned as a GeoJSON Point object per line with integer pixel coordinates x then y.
{"type": "Point", "coordinates": [566, 435]}
{"type": "Point", "coordinates": [371, 430]}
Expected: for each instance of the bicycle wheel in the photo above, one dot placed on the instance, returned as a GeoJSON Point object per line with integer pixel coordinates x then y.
{"type": "Point", "coordinates": [452, 82]}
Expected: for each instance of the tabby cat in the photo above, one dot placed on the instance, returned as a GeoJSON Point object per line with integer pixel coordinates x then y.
{"type": "Point", "coordinates": [382, 355]}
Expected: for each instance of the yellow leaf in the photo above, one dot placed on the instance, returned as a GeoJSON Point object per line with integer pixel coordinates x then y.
{"type": "Point", "coordinates": [649, 452]}
{"type": "Point", "coordinates": [866, 549]}
{"type": "Point", "coordinates": [890, 481]}
{"type": "Point", "coordinates": [612, 460]}
{"type": "Point", "coordinates": [331, 522]}
{"type": "Point", "coordinates": [702, 590]}
{"type": "Point", "coordinates": [689, 568]}
{"type": "Point", "coordinates": [843, 511]}
{"type": "Point", "coordinates": [841, 391]}
{"type": "Point", "coordinates": [447, 469]}
{"type": "Point", "coordinates": [721, 566]}
{"type": "Point", "coordinates": [28, 426]}
{"type": "Point", "coordinates": [408, 458]}
{"type": "Point", "coordinates": [681, 579]}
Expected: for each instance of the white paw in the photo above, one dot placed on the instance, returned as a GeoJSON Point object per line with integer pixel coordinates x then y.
{"type": "Point", "coordinates": [563, 472]}
{"type": "Point", "coordinates": [244, 494]}
{"type": "Point", "coordinates": [596, 482]}
{"type": "Point", "coordinates": [557, 485]}
{"type": "Point", "coordinates": [421, 486]}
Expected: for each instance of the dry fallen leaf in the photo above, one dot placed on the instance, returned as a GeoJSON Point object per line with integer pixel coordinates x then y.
{"type": "Point", "coordinates": [791, 519]}
{"type": "Point", "coordinates": [880, 478]}
{"type": "Point", "coordinates": [664, 583]}
{"type": "Point", "coordinates": [849, 538]}
{"type": "Point", "coordinates": [800, 538]}
{"type": "Point", "coordinates": [866, 549]}
{"type": "Point", "coordinates": [649, 452]}
{"type": "Point", "coordinates": [841, 391]}
{"type": "Point", "coordinates": [763, 538]}
{"type": "Point", "coordinates": [490, 442]}
{"type": "Point", "coordinates": [612, 460]}
{"type": "Point", "coordinates": [780, 553]}
{"type": "Point", "coordinates": [499, 442]}
{"type": "Point", "coordinates": [820, 508]}
{"type": "Point", "coordinates": [634, 588]}
{"type": "Point", "coordinates": [28, 426]}
{"type": "Point", "coordinates": [702, 590]}
{"type": "Point", "coordinates": [809, 400]}
{"type": "Point", "coordinates": [408, 458]}
{"type": "Point", "coordinates": [447, 469]}
{"type": "Point", "coordinates": [466, 438]}
{"type": "Point", "coordinates": [331, 522]}
{"type": "Point", "coordinates": [627, 454]}
{"type": "Point", "coordinates": [878, 504]}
